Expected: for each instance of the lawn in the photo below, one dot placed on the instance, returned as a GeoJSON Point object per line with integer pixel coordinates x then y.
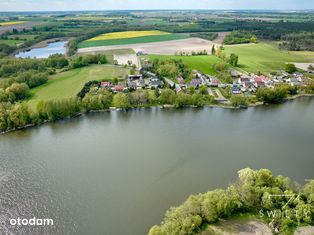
{"type": "Point", "coordinates": [11, 42]}
{"type": "Point", "coordinates": [203, 63]}
{"type": "Point", "coordinates": [23, 36]}
{"type": "Point", "coordinates": [127, 34]}
{"type": "Point", "coordinates": [68, 84]}
{"type": "Point", "coordinates": [136, 40]}
{"type": "Point", "coordinates": [265, 57]}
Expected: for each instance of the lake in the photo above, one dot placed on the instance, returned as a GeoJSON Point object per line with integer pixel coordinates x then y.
{"type": "Point", "coordinates": [117, 173]}
{"type": "Point", "coordinates": [45, 52]}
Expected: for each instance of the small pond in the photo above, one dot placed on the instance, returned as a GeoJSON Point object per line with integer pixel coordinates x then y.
{"type": "Point", "coordinates": [45, 52]}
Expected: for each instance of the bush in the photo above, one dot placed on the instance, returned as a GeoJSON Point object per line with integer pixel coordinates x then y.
{"type": "Point", "coordinates": [238, 101]}
{"type": "Point", "coordinates": [290, 68]}
{"type": "Point", "coordinates": [269, 95]}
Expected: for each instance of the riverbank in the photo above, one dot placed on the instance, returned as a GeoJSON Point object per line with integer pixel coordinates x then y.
{"type": "Point", "coordinates": [111, 109]}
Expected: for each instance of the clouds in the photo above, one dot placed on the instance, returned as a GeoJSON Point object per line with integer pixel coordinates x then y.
{"type": "Point", "coordinates": [59, 5]}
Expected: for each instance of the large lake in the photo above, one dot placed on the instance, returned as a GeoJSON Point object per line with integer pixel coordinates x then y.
{"type": "Point", "coordinates": [45, 52]}
{"type": "Point", "coordinates": [117, 173]}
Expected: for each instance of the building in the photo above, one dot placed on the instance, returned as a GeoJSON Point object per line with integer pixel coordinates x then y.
{"type": "Point", "coordinates": [135, 77]}
{"type": "Point", "coordinates": [235, 89]}
{"type": "Point", "coordinates": [180, 80]}
{"type": "Point", "coordinates": [155, 83]}
{"type": "Point", "coordinates": [196, 82]}
{"type": "Point", "coordinates": [178, 89]}
{"type": "Point", "coordinates": [118, 88]}
{"type": "Point", "coordinates": [215, 82]}
{"type": "Point", "coordinates": [106, 85]}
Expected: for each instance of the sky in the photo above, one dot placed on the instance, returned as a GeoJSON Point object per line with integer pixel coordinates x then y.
{"type": "Point", "coordinates": [64, 5]}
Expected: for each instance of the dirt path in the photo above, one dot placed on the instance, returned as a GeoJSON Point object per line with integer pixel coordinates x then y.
{"type": "Point", "coordinates": [164, 48]}
{"type": "Point", "coordinates": [251, 227]}
{"type": "Point", "coordinates": [309, 230]}
{"type": "Point", "coordinates": [221, 35]}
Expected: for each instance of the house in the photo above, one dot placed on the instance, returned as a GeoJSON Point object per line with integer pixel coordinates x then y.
{"type": "Point", "coordinates": [105, 84]}
{"type": "Point", "coordinates": [295, 81]}
{"type": "Point", "coordinates": [180, 80]}
{"type": "Point", "coordinates": [140, 83]}
{"type": "Point", "coordinates": [243, 80]}
{"type": "Point", "coordinates": [215, 82]}
{"type": "Point", "coordinates": [259, 81]}
{"type": "Point", "coordinates": [135, 77]}
{"type": "Point", "coordinates": [132, 85]}
{"type": "Point", "coordinates": [155, 83]}
{"type": "Point", "coordinates": [178, 89]}
{"type": "Point", "coordinates": [234, 74]}
{"type": "Point", "coordinates": [118, 88]}
{"type": "Point", "coordinates": [196, 82]}
{"type": "Point", "coordinates": [235, 90]}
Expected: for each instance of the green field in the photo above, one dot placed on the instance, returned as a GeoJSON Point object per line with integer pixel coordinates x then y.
{"type": "Point", "coordinates": [11, 42]}
{"type": "Point", "coordinates": [203, 63]}
{"type": "Point", "coordinates": [23, 36]}
{"type": "Point", "coordinates": [265, 57]}
{"type": "Point", "coordinates": [146, 39]}
{"type": "Point", "coordinates": [68, 84]}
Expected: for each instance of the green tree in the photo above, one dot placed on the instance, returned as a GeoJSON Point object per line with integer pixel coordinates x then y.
{"type": "Point", "coordinates": [233, 60]}
{"type": "Point", "coordinates": [19, 115]}
{"type": "Point", "coordinates": [183, 99]}
{"type": "Point", "coordinates": [238, 100]}
{"type": "Point", "coordinates": [290, 68]}
{"type": "Point", "coordinates": [167, 96]}
{"type": "Point", "coordinates": [213, 50]}
{"type": "Point", "coordinates": [121, 100]}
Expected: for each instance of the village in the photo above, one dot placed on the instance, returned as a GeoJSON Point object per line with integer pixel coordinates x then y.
{"type": "Point", "coordinates": [243, 83]}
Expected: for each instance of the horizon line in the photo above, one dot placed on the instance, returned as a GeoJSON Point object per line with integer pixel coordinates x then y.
{"type": "Point", "coordinates": [160, 9]}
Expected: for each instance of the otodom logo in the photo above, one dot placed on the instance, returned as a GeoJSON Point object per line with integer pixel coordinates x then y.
{"type": "Point", "coordinates": [32, 222]}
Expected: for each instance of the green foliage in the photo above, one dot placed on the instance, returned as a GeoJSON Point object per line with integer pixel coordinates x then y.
{"type": "Point", "coordinates": [17, 91]}
{"type": "Point", "coordinates": [211, 36]}
{"type": "Point", "coordinates": [57, 109]}
{"type": "Point", "coordinates": [167, 96]}
{"type": "Point", "coordinates": [183, 99]}
{"type": "Point", "coordinates": [290, 68]}
{"type": "Point", "coordinates": [85, 60]}
{"type": "Point", "coordinates": [249, 194]}
{"type": "Point", "coordinates": [268, 95]}
{"type": "Point", "coordinates": [238, 37]}
{"type": "Point", "coordinates": [233, 60]}
{"type": "Point", "coordinates": [303, 41]}
{"type": "Point", "coordinates": [238, 101]}
{"type": "Point", "coordinates": [121, 100]}
{"type": "Point", "coordinates": [97, 99]}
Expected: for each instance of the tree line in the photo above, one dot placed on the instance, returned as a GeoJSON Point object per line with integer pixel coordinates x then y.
{"type": "Point", "coordinates": [18, 115]}
{"type": "Point", "coordinates": [250, 194]}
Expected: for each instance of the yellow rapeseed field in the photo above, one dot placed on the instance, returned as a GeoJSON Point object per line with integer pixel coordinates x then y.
{"type": "Point", "coordinates": [127, 34]}
{"type": "Point", "coordinates": [11, 23]}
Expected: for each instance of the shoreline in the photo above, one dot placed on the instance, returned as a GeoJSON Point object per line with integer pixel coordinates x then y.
{"type": "Point", "coordinates": [111, 109]}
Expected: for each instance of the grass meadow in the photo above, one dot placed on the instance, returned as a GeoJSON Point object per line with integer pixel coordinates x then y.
{"type": "Point", "coordinates": [265, 57]}
{"type": "Point", "coordinates": [203, 63]}
{"type": "Point", "coordinates": [68, 84]}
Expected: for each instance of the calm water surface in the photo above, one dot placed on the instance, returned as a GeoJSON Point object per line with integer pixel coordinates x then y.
{"type": "Point", "coordinates": [117, 173]}
{"type": "Point", "coordinates": [45, 52]}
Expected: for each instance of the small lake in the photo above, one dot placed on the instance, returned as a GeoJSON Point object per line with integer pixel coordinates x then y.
{"type": "Point", "coordinates": [117, 173]}
{"type": "Point", "coordinates": [45, 52]}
